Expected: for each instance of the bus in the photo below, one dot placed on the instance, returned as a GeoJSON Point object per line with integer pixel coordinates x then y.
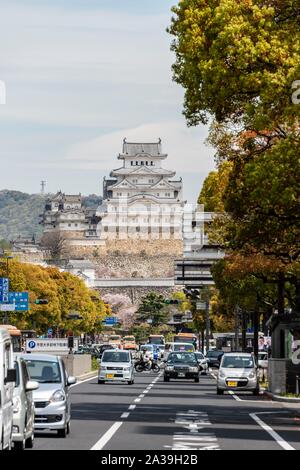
{"type": "Point", "coordinates": [115, 340]}
{"type": "Point", "coordinates": [186, 338]}
{"type": "Point", "coordinates": [16, 336]}
{"type": "Point", "coordinates": [156, 339]}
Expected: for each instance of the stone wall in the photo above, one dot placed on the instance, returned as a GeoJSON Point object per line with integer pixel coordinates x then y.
{"type": "Point", "coordinates": [129, 258]}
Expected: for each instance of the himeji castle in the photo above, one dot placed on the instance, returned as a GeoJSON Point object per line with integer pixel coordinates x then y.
{"type": "Point", "coordinates": [141, 199]}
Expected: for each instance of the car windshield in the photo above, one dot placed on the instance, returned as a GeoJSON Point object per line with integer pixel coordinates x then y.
{"type": "Point", "coordinates": [237, 362]}
{"type": "Point", "coordinates": [263, 356]}
{"type": "Point", "coordinates": [200, 356]}
{"type": "Point", "coordinates": [214, 353]}
{"type": "Point", "coordinates": [45, 372]}
{"type": "Point", "coordinates": [147, 348]}
{"type": "Point", "coordinates": [182, 358]}
{"type": "Point", "coordinates": [115, 356]}
{"type": "Point", "coordinates": [184, 347]}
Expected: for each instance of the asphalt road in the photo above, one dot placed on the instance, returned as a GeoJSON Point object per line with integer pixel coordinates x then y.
{"type": "Point", "coordinates": [179, 415]}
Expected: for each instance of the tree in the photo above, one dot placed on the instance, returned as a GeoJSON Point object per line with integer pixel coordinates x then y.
{"type": "Point", "coordinates": [56, 245]}
{"type": "Point", "coordinates": [237, 60]}
{"type": "Point", "coordinates": [153, 307]}
{"type": "Point", "coordinates": [65, 293]}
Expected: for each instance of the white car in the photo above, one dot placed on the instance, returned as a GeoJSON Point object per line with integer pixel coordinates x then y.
{"type": "Point", "coordinates": [203, 363]}
{"type": "Point", "coordinates": [8, 378]}
{"type": "Point", "coordinates": [23, 418]}
{"type": "Point", "coordinates": [238, 372]}
{"type": "Point", "coordinates": [116, 366]}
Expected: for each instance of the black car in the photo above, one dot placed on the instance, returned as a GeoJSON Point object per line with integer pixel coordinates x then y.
{"type": "Point", "coordinates": [182, 365]}
{"type": "Point", "coordinates": [214, 358]}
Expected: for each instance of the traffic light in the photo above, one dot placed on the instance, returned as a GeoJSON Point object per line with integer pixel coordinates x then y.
{"type": "Point", "coordinates": [41, 302]}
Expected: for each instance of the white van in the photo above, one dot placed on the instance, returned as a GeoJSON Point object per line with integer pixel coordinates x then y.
{"type": "Point", "coordinates": [177, 347]}
{"type": "Point", "coordinates": [7, 382]}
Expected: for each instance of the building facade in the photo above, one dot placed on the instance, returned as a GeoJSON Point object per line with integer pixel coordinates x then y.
{"type": "Point", "coordinates": [67, 214]}
{"type": "Point", "coordinates": [141, 199]}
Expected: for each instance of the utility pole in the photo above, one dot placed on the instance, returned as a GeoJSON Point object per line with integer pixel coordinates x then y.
{"type": "Point", "coordinates": [207, 325]}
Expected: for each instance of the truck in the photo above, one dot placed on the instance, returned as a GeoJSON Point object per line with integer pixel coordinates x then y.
{"type": "Point", "coordinates": [7, 383]}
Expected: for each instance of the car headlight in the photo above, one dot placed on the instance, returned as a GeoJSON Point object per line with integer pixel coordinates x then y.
{"type": "Point", "coordinates": [194, 369]}
{"type": "Point", "coordinates": [222, 375]}
{"type": "Point", "coordinates": [17, 404]}
{"type": "Point", "coordinates": [251, 375]}
{"type": "Point", "coordinates": [126, 369]}
{"type": "Point", "coordinates": [59, 395]}
{"type": "Point", "coordinates": [170, 368]}
{"type": "Point", "coordinates": [102, 367]}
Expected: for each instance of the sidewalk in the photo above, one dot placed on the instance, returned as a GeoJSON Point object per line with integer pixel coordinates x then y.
{"type": "Point", "coordinates": [86, 376]}
{"type": "Point", "coordinates": [292, 404]}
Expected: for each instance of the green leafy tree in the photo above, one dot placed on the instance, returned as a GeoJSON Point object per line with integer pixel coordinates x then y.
{"type": "Point", "coordinates": [153, 307]}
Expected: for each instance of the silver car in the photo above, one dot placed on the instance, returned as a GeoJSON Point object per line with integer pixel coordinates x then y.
{"type": "Point", "coordinates": [238, 372]}
{"type": "Point", "coordinates": [23, 417]}
{"type": "Point", "coordinates": [52, 399]}
{"type": "Point", "coordinates": [115, 366]}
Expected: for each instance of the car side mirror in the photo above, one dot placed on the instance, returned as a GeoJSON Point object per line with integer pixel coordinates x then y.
{"type": "Point", "coordinates": [11, 376]}
{"type": "Point", "coordinates": [71, 380]}
{"type": "Point", "coordinates": [32, 385]}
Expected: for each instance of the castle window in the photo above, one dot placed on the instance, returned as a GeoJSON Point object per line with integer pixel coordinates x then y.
{"type": "Point", "coordinates": [142, 163]}
{"type": "Point", "coordinates": [147, 163]}
{"type": "Point", "coordinates": [152, 163]}
{"type": "Point", "coordinates": [131, 163]}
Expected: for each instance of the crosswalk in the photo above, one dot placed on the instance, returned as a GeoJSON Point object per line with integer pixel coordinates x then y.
{"type": "Point", "coordinates": [196, 433]}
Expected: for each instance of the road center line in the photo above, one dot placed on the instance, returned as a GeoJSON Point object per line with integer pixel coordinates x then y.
{"type": "Point", "coordinates": [280, 441]}
{"type": "Point", "coordinates": [125, 415]}
{"type": "Point", "coordinates": [132, 407]}
{"type": "Point", "coordinates": [107, 436]}
{"type": "Point", "coordinates": [137, 400]}
{"type": "Point", "coordinates": [234, 395]}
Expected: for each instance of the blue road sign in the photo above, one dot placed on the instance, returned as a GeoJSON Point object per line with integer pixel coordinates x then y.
{"type": "Point", "coordinates": [4, 289]}
{"type": "Point", "coordinates": [20, 299]}
{"type": "Point", "coordinates": [111, 321]}
{"type": "Point", "coordinates": [50, 331]}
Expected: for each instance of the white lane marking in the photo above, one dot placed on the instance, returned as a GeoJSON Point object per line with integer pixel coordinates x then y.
{"type": "Point", "coordinates": [280, 441]}
{"type": "Point", "coordinates": [125, 415]}
{"type": "Point", "coordinates": [83, 381]}
{"type": "Point", "coordinates": [107, 436]}
{"type": "Point", "coordinates": [194, 435]}
{"type": "Point", "coordinates": [137, 400]}
{"type": "Point", "coordinates": [146, 391]}
{"type": "Point", "coordinates": [234, 396]}
{"type": "Point", "coordinates": [132, 407]}
{"type": "Point", "coordinates": [141, 396]}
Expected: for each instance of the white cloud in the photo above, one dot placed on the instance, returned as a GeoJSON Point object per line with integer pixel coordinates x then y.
{"type": "Point", "coordinates": [186, 147]}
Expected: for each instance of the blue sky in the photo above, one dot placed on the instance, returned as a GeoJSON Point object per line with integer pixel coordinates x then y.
{"type": "Point", "coordinates": [80, 75]}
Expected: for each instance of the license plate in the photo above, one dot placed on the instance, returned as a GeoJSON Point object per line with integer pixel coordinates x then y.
{"type": "Point", "coordinates": [110, 376]}
{"type": "Point", "coordinates": [181, 374]}
{"type": "Point", "coordinates": [232, 384]}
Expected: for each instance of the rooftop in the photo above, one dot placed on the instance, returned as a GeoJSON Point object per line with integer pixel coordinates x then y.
{"type": "Point", "coordinates": [135, 148]}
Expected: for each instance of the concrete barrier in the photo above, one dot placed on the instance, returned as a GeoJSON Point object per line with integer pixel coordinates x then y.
{"type": "Point", "coordinates": [78, 364]}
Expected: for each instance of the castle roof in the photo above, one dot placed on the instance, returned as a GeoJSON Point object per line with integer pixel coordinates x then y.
{"type": "Point", "coordinates": [135, 148]}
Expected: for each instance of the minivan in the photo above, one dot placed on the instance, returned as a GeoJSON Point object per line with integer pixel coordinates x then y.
{"type": "Point", "coordinates": [7, 382]}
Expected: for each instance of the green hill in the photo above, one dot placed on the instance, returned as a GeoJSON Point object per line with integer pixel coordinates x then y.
{"type": "Point", "coordinates": [19, 213]}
